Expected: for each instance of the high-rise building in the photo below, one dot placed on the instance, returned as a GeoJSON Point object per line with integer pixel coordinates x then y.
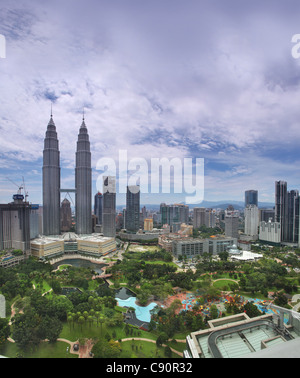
{"type": "Point", "coordinates": [266, 214]}
{"type": "Point", "coordinates": [148, 224]}
{"type": "Point", "coordinates": [270, 232]}
{"type": "Point", "coordinates": [83, 183]}
{"type": "Point", "coordinates": [281, 206]}
{"type": "Point", "coordinates": [15, 225]}
{"type": "Point", "coordinates": [66, 215]}
{"type": "Point", "coordinates": [292, 216]}
{"type": "Point", "coordinates": [177, 213]}
{"type": "Point", "coordinates": [51, 181]}
{"type": "Point", "coordinates": [251, 197]}
{"type": "Point", "coordinates": [287, 212]}
{"type": "Point", "coordinates": [133, 208]}
{"type": "Point", "coordinates": [232, 226]}
{"type": "Point", "coordinates": [98, 207]}
{"type": "Point", "coordinates": [251, 221]}
{"type": "Point", "coordinates": [34, 217]}
{"type": "Point", "coordinates": [109, 206]}
{"type": "Point", "coordinates": [199, 214]}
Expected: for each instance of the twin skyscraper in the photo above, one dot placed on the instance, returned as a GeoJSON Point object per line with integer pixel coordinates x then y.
{"type": "Point", "coordinates": [51, 182]}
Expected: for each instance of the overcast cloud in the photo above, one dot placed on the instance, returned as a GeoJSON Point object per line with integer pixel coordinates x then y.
{"type": "Point", "coordinates": [160, 78]}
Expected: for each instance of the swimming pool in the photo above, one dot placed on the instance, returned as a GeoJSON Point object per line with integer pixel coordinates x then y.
{"type": "Point", "coordinates": [142, 313]}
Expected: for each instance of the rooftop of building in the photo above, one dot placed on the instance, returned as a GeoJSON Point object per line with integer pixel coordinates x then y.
{"type": "Point", "coordinates": [239, 336]}
{"type": "Point", "coordinates": [70, 237]}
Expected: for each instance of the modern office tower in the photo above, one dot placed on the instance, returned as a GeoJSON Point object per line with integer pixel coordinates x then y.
{"type": "Point", "coordinates": [15, 225]}
{"type": "Point", "coordinates": [133, 208]}
{"type": "Point", "coordinates": [281, 207]}
{"type": "Point", "coordinates": [83, 183]}
{"type": "Point", "coordinates": [266, 214]}
{"type": "Point", "coordinates": [251, 221]}
{"type": "Point", "coordinates": [51, 182]}
{"type": "Point", "coordinates": [143, 213]}
{"type": "Point", "coordinates": [270, 232]}
{"type": "Point", "coordinates": [199, 216]}
{"type": "Point", "coordinates": [66, 215]}
{"type": "Point", "coordinates": [98, 207]}
{"type": "Point", "coordinates": [164, 213]}
{"type": "Point", "coordinates": [177, 213]}
{"type": "Point", "coordinates": [210, 218]}
{"type": "Point", "coordinates": [232, 226]}
{"type": "Point", "coordinates": [251, 197]}
{"type": "Point", "coordinates": [109, 206]}
{"type": "Point", "coordinates": [292, 216]}
{"type": "Point", "coordinates": [34, 219]}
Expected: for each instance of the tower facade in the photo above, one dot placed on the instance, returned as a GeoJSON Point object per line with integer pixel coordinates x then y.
{"type": "Point", "coordinates": [281, 207]}
{"type": "Point", "coordinates": [133, 208]}
{"type": "Point", "coordinates": [66, 215]}
{"type": "Point", "coordinates": [109, 206]}
{"type": "Point", "coordinates": [251, 197]}
{"type": "Point", "coordinates": [98, 207]}
{"type": "Point", "coordinates": [51, 181]}
{"type": "Point", "coordinates": [83, 183]}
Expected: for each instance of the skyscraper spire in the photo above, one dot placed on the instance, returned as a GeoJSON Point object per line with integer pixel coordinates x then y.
{"type": "Point", "coordinates": [51, 181]}
{"type": "Point", "coordinates": [83, 182]}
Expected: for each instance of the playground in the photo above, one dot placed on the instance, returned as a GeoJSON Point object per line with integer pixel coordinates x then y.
{"type": "Point", "coordinates": [203, 303]}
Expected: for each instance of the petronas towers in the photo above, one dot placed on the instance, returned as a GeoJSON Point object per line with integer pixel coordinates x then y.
{"type": "Point", "coordinates": [83, 183]}
{"type": "Point", "coordinates": [51, 182]}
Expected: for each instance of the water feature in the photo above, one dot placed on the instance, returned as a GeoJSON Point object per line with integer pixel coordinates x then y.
{"type": "Point", "coordinates": [127, 298]}
{"type": "Point", "coordinates": [81, 263]}
{"type": "Point", "coordinates": [142, 313]}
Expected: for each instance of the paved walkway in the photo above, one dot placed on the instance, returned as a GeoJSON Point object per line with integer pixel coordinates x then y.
{"type": "Point", "coordinates": [84, 350]}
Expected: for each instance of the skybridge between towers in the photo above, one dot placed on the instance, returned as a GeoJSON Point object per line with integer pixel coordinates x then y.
{"type": "Point", "coordinates": [68, 191]}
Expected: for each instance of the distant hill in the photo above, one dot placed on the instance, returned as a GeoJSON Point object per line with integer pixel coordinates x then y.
{"type": "Point", "coordinates": [238, 205]}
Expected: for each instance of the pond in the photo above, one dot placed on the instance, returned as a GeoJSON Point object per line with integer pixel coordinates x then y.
{"type": "Point", "coordinates": [81, 263]}
{"type": "Point", "coordinates": [141, 312]}
{"type": "Point", "coordinates": [127, 298]}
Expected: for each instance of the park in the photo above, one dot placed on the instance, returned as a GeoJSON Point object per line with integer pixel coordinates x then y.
{"type": "Point", "coordinates": [72, 312]}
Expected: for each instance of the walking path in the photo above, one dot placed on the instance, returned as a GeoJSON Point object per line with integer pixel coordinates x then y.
{"type": "Point", "coordinates": [84, 350]}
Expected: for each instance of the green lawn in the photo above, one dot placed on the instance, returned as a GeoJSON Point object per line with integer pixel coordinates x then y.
{"type": "Point", "coordinates": [44, 286]}
{"type": "Point", "coordinates": [94, 331]}
{"type": "Point", "coordinates": [143, 349]}
{"type": "Point", "coordinates": [161, 263]}
{"type": "Point", "coordinates": [143, 248]}
{"type": "Point", "coordinates": [44, 350]}
{"type": "Point", "coordinates": [223, 282]}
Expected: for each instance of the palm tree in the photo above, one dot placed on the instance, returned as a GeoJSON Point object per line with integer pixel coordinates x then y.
{"type": "Point", "coordinates": [81, 320]}
{"type": "Point", "coordinates": [102, 321]}
{"type": "Point", "coordinates": [90, 320]}
{"type": "Point", "coordinates": [97, 314]}
{"type": "Point", "coordinates": [70, 319]}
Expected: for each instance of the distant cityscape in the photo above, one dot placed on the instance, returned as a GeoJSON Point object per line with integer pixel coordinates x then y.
{"type": "Point", "coordinates": [97, 220]}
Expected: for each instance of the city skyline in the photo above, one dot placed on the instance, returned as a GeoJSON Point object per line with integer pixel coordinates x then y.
{"type": "Point", "coordinates": [213, 81]}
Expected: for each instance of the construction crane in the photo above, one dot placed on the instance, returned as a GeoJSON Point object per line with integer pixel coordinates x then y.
{"type": "Point", "coordinates": [26, 193]}
{"type": "Point", "coordinates": [19, 195]}
{"type": "Point", "coordinates": [19, 187]}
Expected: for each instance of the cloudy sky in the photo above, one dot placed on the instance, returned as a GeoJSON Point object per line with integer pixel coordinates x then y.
{"type": "Point", "coordinates": [158, 79]}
